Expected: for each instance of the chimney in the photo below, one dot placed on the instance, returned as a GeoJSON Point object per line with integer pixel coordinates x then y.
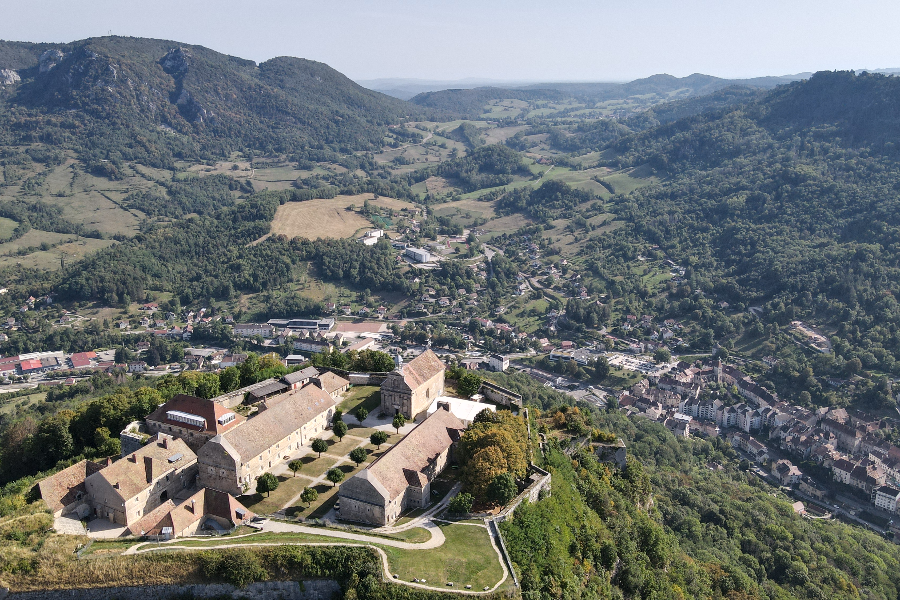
{"type": "Point", "coordinates": [193, 502]}
{"type": "Point", "coordinates": [444, 406]}
{"type": "Point", "coordinates": [133, 457]}
{"type": "Point", "coordinates": [148, 468]}
{"type": "Point", "coordinates": [165, 442]}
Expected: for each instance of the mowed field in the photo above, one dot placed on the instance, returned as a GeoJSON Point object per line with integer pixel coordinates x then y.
{"type": "Point", "coordinates": [328, 218]}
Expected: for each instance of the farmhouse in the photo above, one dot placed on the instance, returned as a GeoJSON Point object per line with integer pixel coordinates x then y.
{"type": "Point", "coordinates": [132, 486]}
{"type": "Point", "coordinates": [231, 461]}
{"type": "Point", "coordinates": [411, 387]}
{"type": "Point", "coordinates": [401, 478]}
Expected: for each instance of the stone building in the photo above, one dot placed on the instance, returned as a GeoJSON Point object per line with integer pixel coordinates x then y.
{"type": "Point", "coordinates": [65, 491]}
{"type": "Point", "coordinates": [131, 487]}
{"type": "Point", "coordinates": [194, 420]}
{"type": "Point", "coordinates": [332, 383]}
{"type": "Point", "coordinates": [232, 461]}
{"type": "Point", "coordinates": [401, 478]}
{"type": "Point", "coordinates": [207, 509]}
{"type": "Point", "coordinates": [412, 387]}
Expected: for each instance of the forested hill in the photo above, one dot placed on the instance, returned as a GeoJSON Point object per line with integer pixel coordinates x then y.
{"type": "Point", "coordinates": [117, 97]}
{"type": "Point", "coordinates": [471, 101]}
{"type": "Point", "coordinates": [790, 201]}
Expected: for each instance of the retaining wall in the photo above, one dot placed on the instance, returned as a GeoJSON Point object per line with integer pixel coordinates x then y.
{"type": "Point", "coordinates": [317, 589]}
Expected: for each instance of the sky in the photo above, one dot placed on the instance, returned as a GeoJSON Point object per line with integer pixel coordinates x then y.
{"type": "Point", "coordinates": [521, 40]}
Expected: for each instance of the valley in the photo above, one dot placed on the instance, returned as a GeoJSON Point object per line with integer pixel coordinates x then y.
{"type": "Point", "coordinates": [606, 237]}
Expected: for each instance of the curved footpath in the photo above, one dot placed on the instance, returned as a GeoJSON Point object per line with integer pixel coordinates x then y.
{"type": "Point", "coordinates": [369, 541]}
{"type": "Point", "coordinates": [386, 569]}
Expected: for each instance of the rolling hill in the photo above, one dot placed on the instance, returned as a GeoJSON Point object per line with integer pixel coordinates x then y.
{"type": "Point", "coordinates": [663, 87]}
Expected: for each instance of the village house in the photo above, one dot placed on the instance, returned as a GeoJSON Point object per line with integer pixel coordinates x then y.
{"type": "Point", "coordinates": [231, 461]}
{"type": "Point", "coordinates": [132, 486]}
{"type": "Point", "coordinates": [786, 473]}
{"type": "Point", "coordinates": [401, 478]}
{"type": "Point", "coordinates": [412, 387]}
{"type": "Point", "coordinates": [886, 498]}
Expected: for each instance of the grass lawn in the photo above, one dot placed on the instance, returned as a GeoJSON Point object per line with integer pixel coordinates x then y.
{"type": "Point", "coordinates": [8, 404]}
{"type": "Point", "coordinates": [314, 466]}
{"type": "Point", "coordinates": [467, 557]}
{"type": "Point", "coordinates": [344, 446]}
{"type": "Point", "coordinates": [622, 378]}
{"type": "Point", "coordinates": [367, 396]}
{"type": "Point", "coordinates": [288, 488]}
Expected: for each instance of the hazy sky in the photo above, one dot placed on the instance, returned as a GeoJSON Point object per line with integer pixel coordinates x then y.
{"type": "Point", "coordinates": [518, 40]}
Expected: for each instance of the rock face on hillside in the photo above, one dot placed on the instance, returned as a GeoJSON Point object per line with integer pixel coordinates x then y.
{"type": "Point", "coordinates": [9, 77]}
{"type": "Point", "coordinates": [50, 59]}
{"type": "Point", "coordinates": [176, 61]}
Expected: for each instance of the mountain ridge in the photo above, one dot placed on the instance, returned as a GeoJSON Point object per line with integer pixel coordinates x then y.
{"type": "Point", "coordinates": [218, 103]}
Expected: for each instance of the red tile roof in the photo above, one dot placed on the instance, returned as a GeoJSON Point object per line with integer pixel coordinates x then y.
{"type": "Point", "coordinates": [207, 409]}
{"type": "Point", "coordinates": [421, 369]}
{"type": "Point", "coordinates": [82, 359]}
{"type": "Point", "coordinates": [30, 365]}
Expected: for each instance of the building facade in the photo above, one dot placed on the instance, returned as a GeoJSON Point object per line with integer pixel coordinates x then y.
{"type": "Point", "coordinates": [401, 478]}
{"type": "Point", "coordinates": [411, 388]}
{"type": "Point", "coordinates": [232, 461]}
{"type": "Point", "coordinates": [132, 486]}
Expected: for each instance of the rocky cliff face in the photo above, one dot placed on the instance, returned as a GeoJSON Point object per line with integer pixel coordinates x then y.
{"type": "Point", "coordinates": [9, 77]}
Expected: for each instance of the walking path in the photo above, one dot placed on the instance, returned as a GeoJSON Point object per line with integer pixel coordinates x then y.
{"type": "Point", "coordinates": [387, 576]}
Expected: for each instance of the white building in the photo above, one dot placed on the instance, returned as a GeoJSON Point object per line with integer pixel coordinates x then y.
{"type": "Point", "coordinates": [418, 254]}
{"type": "Point", "coordinates": [886, 498]}
{"type": "Point", "coordinates": [497, 362]}
{"type": "Point", "coordinates": [464, 410]}
{"type": "Point", "coordinates": [371, 238]}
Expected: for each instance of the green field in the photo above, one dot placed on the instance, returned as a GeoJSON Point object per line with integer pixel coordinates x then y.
{"type": "Point", "coordinates": [7, 226]}
{"type": "Point", "coordinates": [366, 396]}
{"type": "Point", "coordinates": [466, 558]}
{"type": "Point", "coordinates": [629, 180]}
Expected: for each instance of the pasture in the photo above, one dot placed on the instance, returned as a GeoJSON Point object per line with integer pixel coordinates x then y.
{"type": "Point", "coordinates": [7, 226]}
{"type": "Point", "coordinates": [328, 218]}
{"type": "Point", "coordinates": [628, 180]}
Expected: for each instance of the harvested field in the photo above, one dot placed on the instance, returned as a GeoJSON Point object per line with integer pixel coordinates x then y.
{"type": "Point", "coordinates": [327, 218]}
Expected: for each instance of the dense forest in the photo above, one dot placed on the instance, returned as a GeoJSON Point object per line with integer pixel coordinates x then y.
{"type": "Point", "coordinates": [790, 202]}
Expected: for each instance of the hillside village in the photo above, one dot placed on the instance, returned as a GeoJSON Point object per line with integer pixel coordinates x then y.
{"type": "Point", "coordinates": [720, 400]}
